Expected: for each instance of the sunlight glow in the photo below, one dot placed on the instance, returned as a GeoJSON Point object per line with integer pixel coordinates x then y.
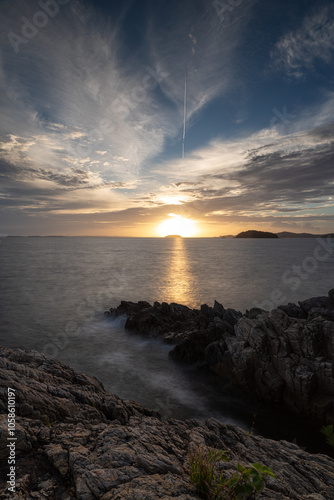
{"type": "Point", "coordinates": [177, 225]}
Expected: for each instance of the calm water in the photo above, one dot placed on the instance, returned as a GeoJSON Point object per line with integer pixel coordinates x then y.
{"type": "Point", "coordinates": [54, 291]}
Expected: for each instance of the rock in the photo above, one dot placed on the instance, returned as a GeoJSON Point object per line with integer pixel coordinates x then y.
{"type": "Point", "coordinates": [207, 311]}
{"type": "Point", "coordinates": [285, 356]}
{"type": "Point", "coordinates": [58, 456]}
{"type": "Point", "coordinates": [138, 457]}
{"type": "Point", "coordinates": [322, 312]}
{"type": "Point", "coordinates": [191, 349]}
{"type": "Point", "coordinates": [190, 330]}
{"type": "Point", "coordinates": [231, 318]}
{"type": "Point", "coordinates": [315, 302]}
{"type": "Point", "coordinates": [293, 311]}
{"type": "Point", "coordinates": [282, 359]}
{"type": "Point", "coordinates": [159, 319]}
{"type": "Point", "coordinates": [331, 297]}
{"type": "Point", "coordinates": [215, 354]}
{"type": "Point", "coordinates": [255, 312]}
{"type": "Point", "coordinates": [218, 309]}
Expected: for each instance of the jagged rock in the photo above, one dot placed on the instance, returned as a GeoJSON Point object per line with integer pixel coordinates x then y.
{"type": "Point", "coordinates": [283, 360]}
{"type": "Point", "coordinates": [191, 349]}
{"type": "Point", "coordinates": [322, 312]}
{"type": "Point", "coordinates": [88, 454]}
{"type": "Point", "coordinates": [191, 330]}
{"type": "Point", "coordinates": [255, 312]}
{"type": "Point", "coordinates": [218, 309]}
{"type": "Point", "coordinates": [331, 297]}
{"type": "Point", "coordinates": [315, 302]}
{"type": "Point", "coordinates": [231, 318]}
{"type": "Point", "coordinates": [293, 311]}
{"type": "Point", "coordinates": [285, 356]}
{"type": "Point", "coordinates": [154, 320]}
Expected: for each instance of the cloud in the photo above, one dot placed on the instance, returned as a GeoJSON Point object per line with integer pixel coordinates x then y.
{"type": "Point", "coordinates": [87, 116]}
{"type": "Point", "coordinates": [208, 75]}
{"type": "Point", "coordinates": [267, 176]}
{"type": "Point", "coordinates": [74, 95]}
{"type": "Point", "coordinates": [70, 89]}
{"type": "Point", "coordinates": [76, 90]}
{"type": "Point", "coordinates": [299, 51]}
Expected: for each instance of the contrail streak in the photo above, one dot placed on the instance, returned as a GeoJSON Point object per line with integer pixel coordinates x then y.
{"type": "Point", "coordinates": [184, 112]}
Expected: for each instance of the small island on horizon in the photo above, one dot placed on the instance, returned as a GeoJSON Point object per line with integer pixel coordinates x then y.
{"type": "Point", "coordinates": [256, 234]}
{"type": "Point", "coordinates": [173, 236]}
{"type": "Point", "coordinates": [252, 233]}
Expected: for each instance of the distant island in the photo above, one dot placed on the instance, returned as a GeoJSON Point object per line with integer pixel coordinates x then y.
{"type": "Point", "coordinates": [256, 234]}
{"type": "Point", "coordinates": [173, 236]}
{"type": "Point", "coordinates": [252, 233]}
{"type": "Point", "coordinates": [286, 234]}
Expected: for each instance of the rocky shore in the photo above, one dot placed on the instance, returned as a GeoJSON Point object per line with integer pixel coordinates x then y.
{"type": "Point", "coordinates": [75, 440]}
{"type": "Point", "coordinates": [285, 356]}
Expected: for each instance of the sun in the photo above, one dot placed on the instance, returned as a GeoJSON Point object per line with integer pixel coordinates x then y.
{"type": "Point", "coordinates": [177, 225]}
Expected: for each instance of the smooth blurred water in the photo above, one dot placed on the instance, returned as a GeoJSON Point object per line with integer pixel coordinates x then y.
{"type": "Point", "coordinates": [54, 291]}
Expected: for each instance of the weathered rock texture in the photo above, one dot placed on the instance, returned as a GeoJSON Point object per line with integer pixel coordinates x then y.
{"type": "Point", "coordinates": [75, 440]}
{"type": "Point", "coordinates": [285, 356]}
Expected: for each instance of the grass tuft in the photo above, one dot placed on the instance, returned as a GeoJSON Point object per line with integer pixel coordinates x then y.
{"type": "Point", "coordinates": [244, 483]}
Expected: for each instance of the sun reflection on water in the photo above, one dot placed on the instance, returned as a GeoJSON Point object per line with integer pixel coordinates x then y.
{"type": "Point", "coordinates": [178, 282]}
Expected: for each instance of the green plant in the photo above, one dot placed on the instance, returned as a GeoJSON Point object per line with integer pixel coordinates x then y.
{"type": "Point", "coordinates": [328, 431]}
{"type": "Point", "coordinates": [243, 483]}
{"type": "Point", "coordinates": [248, 480]}
{"type": "Point", "coordinates": [52, 424]}
{"type": "Point", "coordinates": [251, 431]}
{"type": "Point", "coordinates": [202, 469]}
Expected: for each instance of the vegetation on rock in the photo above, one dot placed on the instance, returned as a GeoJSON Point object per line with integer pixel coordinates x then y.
{"type": "Point", "coordinates": [328, 431]}
{"type": "Point", "coordinates": [245, 481]}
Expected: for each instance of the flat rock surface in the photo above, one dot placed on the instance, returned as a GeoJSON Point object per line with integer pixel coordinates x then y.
{"type": "Point", "coordinates": [75, 440]}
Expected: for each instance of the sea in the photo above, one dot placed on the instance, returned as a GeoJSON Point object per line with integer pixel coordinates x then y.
{"type": "Point", "coordinates": [54, 292]}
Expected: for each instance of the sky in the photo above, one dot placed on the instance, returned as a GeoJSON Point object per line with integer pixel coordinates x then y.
{"type": "Point", "coordinates": [93, 114]}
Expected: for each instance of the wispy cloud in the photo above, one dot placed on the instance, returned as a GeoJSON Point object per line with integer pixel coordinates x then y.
{"type": "Point", "coordinates": [79, 112]}
{"type": "Point", "coordinates": [77, 92]}
{"type": "Point", "coordinates": [299, 51]}
{"type": "Point", "coordinates": [210, 63]}
{"type": "Point", "coordinates": [266, 175]}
